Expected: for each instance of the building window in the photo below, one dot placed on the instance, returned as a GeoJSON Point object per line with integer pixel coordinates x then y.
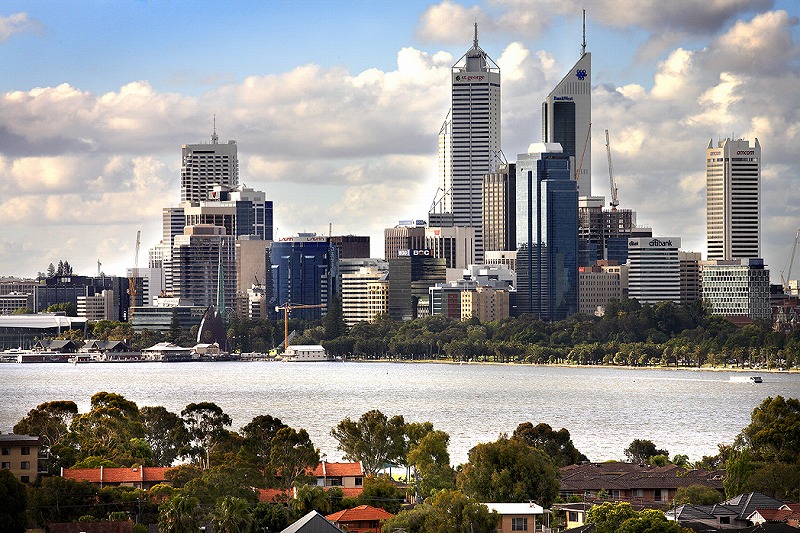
{"type": "Point", "coordinates": [724, 519]}
{"type": "Point", "coordinates": [359, 481]}
{"type": "Point", "coordinates": [6, 465]}
{"type": "Point", "coordinates": [25, 450]}
{"type": "Point", "coordinates": [25, 465]}
{"type": "Point", "coordinates": [519, 524]}
{"type": "Point", "coordinates": [25, 479]}
{"type": "Point", "coordinates": [6, 451]}
{"type": "Point", "coordinates": [573, 516]}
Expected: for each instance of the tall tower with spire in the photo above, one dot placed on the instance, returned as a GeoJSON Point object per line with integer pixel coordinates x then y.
{"type": "Point", "coordinates": [207, 164]}
{"type": "Point", "coordinates": [567, 116]}
{"type": "Point", "coordinates": [469, 142]}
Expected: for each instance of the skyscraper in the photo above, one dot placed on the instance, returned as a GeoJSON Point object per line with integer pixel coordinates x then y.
{"type": "Point", "coordinates": [196, 259]}
{"type": "Point", "coordinates": [206, 165]}
{"type": "Point", "coordinates": [733, 199]}
{"type": "Point", "coordinates": [547, 234]}
{"type": "Point", "coordinates": [567, 115]}
{"type": "Point", "coordinates": [469, 142]}
{"type": "Point", "coordinates": [499, 209]}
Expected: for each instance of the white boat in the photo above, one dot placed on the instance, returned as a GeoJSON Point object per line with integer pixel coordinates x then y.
{"type": "Point", "coordinates": [746, 379]}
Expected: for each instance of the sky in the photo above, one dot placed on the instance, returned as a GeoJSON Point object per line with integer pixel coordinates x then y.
{"type": "Point", "coordinates": [336, 107]}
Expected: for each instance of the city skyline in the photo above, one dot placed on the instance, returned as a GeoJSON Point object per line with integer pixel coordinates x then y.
{"type": "Point", "coordinates": [338, 123]}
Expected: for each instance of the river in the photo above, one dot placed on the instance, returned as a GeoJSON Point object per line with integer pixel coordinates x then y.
{"type": "Point", "coordinates": [604, 408]}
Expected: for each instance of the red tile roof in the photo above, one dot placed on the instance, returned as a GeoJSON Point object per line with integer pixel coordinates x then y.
{"type": "Point", "coordinates": [351, 492]}
{"type": "Point", "coordinates": [273, 495]}
{"type": "Point", "coordinates": [360, 514]}
{"type": "Point", "coordinates": [325, 469]}
{"type": "Point", "coordinates": [117, 475]}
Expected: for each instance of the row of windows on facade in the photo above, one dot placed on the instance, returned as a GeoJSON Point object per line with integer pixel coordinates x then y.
{"type": "Point", "coordinates": [23, 465]}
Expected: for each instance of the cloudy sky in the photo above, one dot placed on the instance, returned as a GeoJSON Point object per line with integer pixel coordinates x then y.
{"type": "Point", "coordinates": [336, 107]}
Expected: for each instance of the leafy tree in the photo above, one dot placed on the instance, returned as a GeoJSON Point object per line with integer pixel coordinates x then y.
{"type": "Point", "coordinates": [51, 270]}
{"type": "Point", "coordinates": [232, 515]}
{"type": "Point", "coordinates": [206, 423]}
{"type": "Point", "coordinates": [257, 442]}
{"type": "Point", "coordinates": [509, 470]}
{"type": "Point", "coordinates": [609, 516]}
{"type": "Point", "coordinates": [309, 498]}
{"type": "Point", "coordinates": [180, 514]}
{"type": "Point", "coordinates": [381, 491]}
{"type": "Point", "coordinates": [180, 475]}
{"type": "Point", "coordinates": [22, 311]}
{"type": "Point", "coordinates": [333, 321]}
{"type": "Point", "coordinates": [698, 495]}
{"type": "Point", "coordinates": [651, 521]}
{"type": "Point", "coordinates": [556, 444]}
{"type": "Point", "coordinates": [69, 308]}
{"type": "Point", "coordinates": [271, 517]}
{"type": "Point", "coordinates": [445, 512]}
{"type": "Point", "coordinates": [374, 439]}
{"type": "Point", "coordinates": [60, 500]}
{"type": "Point", "coordinates": [50, 421]}
{"type": "Point", "coordinates": [431, 461]}
{"type": "Point", "coordinates": [112, 430]}
{"type": "Point", "coordinates": [165, 433]}
{"type": "Point", "coordinates": [774, 430]}
{"type": "Point", "coordinates": [640, 451]}
{"type": "Point", "coordinates": [292, 455]}
{"type": "Point", "coordinates": [13, 503]}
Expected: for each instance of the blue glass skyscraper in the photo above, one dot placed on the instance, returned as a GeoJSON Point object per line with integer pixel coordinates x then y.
{"type": "Point", "coordinates": [302, 272]}
{"type": "Point", "coordinates": [547, 234]}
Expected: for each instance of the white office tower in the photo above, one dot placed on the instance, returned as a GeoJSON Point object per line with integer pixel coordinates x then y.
{"type": "Point", "coordinates": [654, 274]}
{"type": "Point", "coordinates": [733, 200]}
{"type": "Point", "coordinates": [206, 165]}
{"type": "Point", "coordinates": [567, 116]}
{"type": "Point", "coordinates": [469, 142]}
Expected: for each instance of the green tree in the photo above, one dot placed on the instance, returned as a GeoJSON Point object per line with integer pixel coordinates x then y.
{"type": "Point", "coordinates": [609, 516]}
{"type": "Point", "coordinates": [309, 498]}
{"type": "Point", "coordinates": [698, 495]}
{"type": "Point", "coordinates": [51, 270]}
{"type": "Point", "coordinates": [69, 308]}
{"type": "Point", "coordinates": [232, 515]}
{"type": "Point", "coordinates": [640, 451]}
{"type": "Point", "coordinates": [257, 442]}
{"type": "Point", "coordinates": [22, 311]}
{"type": "Point", "coordinates": [165, 433]}
{"type": "Point", "coordinates": [271, 517]}
{"type": "Point", "coordinates": [556, 444]}
{"type": "Point", "coordinates": [374, 440]}
{"type": "Point", "coordinates": [431, 462]}
{"type": "Point", "coordinates": [292, 455]}
{"type": "Point", "coordinates": [774, 430]}
{"type": "Point", "coordinates": [333, 321]}
{"type": "Point", "coordinates": [50, 421]}
{"type": "Point", "coordinates": [206, 423]}
{"type": "Point", "coordinates": [111, 430]}
{"type": "Point", "coordinates": [445, 512]}
{"type": "Point", "coordinates": [651, 521]}
{"type": "Point", "coordinates": [13, 503]}
{"type": "Point", "coordinates": [509, 470]}
{"type": "Point", "coordinates": [179, 514]}
{"type": "Point", "coordinates": [61, 500]}
{"type": "Point", "coordinates": [381, 491]}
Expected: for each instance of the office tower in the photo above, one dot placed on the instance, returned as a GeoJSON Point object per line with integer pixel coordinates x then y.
{"type": "Point", "coordinates": [195, 266]}
{"type": "Point", "coordinates": [737, 287]}
{"type": "Point", "coordinates": [410, 275]}
{"type": "Point", "coordinates": [364, 293]}
{"type": "Point", "coordinates": [603, 233]}
{"type": "Point", "coordinates": [240, 210]}
{"type": "Point", "coordinates": [407, 235]}
{"type": "Point", "coordinates": [303, 273]}
{"type": "Point", "coordinates": [691, 288]}
{"type": "Point", "coordinates": [567, 116]}
{"type": "Point", "coordinates": [65, 289]}
{"type": "Point", "coordinates": [499, 209]}
{"type": "Point", "coordinates": [733, 199]}
{"type": "Point", "coordinates": [456, 245]}
{"type": "Point", "coordinates": [547, 234]}
{"type": "Point", "coordinates": [351, 246]}
{"type": "Point", "coordinates": [654, 274]}
{"type": "Point", "coordinates": [469, 142]}
{"type": "Point", "coordinates": [205, 165]}
{"type": "Point", "coordinates": [598, 285]}
{"type": "Point", "coordinates": [152, 282]}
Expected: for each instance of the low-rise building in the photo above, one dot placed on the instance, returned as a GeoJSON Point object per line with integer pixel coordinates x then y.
{"type": "Point", "coordinates": [526, 516]}
{"type": "Point", "coordinates": [734, 513]}
{"type": "Point", "coordinates": [20, 455]}
{"type": "Point", "coordinates": [737, 287]}
{"type": "Point", "coordinates": [361, 519]}
{"type": "Point", "coordinates": [140, 477]}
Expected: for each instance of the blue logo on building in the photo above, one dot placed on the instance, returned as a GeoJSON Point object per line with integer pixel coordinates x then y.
{"type": "Point", "coordinates": [581, 74]}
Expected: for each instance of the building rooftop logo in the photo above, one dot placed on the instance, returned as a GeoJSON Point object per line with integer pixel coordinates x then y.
{"type": "Point", "coordinates": [581, 74]}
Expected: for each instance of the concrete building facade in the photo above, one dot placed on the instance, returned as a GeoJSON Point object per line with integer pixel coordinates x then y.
{"type": "Point", "coordinates": [654, 274]}
{"type": "Point", "coordinates": [737, 287]}
{"type": "Point", "coordinates": [205, 165]}
{"type": "Point", "coordinates": [499, 209]}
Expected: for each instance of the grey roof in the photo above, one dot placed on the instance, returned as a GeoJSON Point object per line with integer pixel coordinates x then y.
{"type": "Point", "coordinates": [10, 438]}
{"type": "Point", "coordinates": [313, 522]}
{"type": "Point", "coordinates": [745, 504]}
{"type": "Point", "coordinates": [586, 528]}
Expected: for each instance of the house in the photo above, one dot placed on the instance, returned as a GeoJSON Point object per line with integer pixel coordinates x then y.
{"type": "Point", "coordinates": [305, 353]}
{"type": "Point", "coordinates": [652, 486]}
{"type": "Point", "coordinates": [168, 352]}
{"type": "Point", "coordinates": [361, 519]}
{"type": "Point", "coordinates": [520, 516]}
{"type": "Point", "coordinates": [20, 454]}
{"type": "Point", "coordinates": [313, 522]}
{"type": "Point", "coordinates": [730, 514]}
{"type": "Point", "coordinates": [56, 346]}
{"type": "Point", "coordinates": [345, 475]}
{"type": "Point", "coordinates": [788, 513]}
{"type": "Point", "coordinates": [140, 477]}
{"type": "Point", "coordinates": [574, 513]}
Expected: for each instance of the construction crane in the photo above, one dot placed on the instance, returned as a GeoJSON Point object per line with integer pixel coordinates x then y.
{"type": "Point", "coordinates": [785, 280]}
{"type": "Point", "coordinates": [134, 275]}
{"type": "Point", "coordinates": [583, 153]}
{"type": "Point", "coordinates": [287, 308]}
{"type": "Point", "coordinates": [614, 202]}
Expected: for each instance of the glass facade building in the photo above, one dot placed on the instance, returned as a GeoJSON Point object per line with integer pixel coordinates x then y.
{"type": "Point", "coordinates": [303, 269]}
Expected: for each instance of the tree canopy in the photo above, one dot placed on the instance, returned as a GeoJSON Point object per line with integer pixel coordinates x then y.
{"type": "Point", "coordinates": [373, 439]}
{"type": "Point", "coordinates": [556, 444]}
{"type": "Point", "coordinates": [642, 450]}
{"type": "Point", "coordinates": [446, 512]}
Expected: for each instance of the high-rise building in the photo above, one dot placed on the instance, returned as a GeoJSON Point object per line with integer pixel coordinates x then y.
{"type": "Point", "coordinates": [567, 115]}
{"type": "Point", "coordinates": [195, 266]}
{"type": "Point", "coordinates": [691, 288]}
{"type": "Point", "coordinates": [499, 209]}
{"type": "Point", "coordinates": [407, 235]}
{"type": "Point", "coordinates": [654, 274]}
{"type": "Point", "coordinates": [547, 234]}
{"type": "Point", "coordinates": [410, 276]}
{"type": "Point", "coordinates": [456, 245]}
{"type": "Point", "coordinates": [603, 233]}
{"type": "Point", "coordinates": [469, 142]}
{"type": "Point", "coordinates": [205, 165]}
{"type": "Point", "coordinates": [361, 290]}
{"type": "Point", "coordinates": [737, 287]}
{"type": "Point", "coordinates": [303, 273]}
{"type": "Point", "coordinates": [733, 199]}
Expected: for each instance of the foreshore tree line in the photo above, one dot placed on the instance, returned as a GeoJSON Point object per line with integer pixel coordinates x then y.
{"type": "Point", "coordinates": [221, 470]}
{"type": "Point", "coordinates": [663, 334]}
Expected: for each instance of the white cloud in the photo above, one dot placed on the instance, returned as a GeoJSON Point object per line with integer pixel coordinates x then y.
{"type": "Point", "coordinates": [16, 23]}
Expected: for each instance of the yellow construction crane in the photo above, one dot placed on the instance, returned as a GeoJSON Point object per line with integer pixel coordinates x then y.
{"type": "Point", "coordinates": [288, 307]}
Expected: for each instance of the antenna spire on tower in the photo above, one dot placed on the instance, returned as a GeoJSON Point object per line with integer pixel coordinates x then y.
{"type": "Point", "coordinates": [475, 41]}
{"type": "Point", "coordinates": [214, 136]}
{"type": "Point", "coordinates": [583, 45]}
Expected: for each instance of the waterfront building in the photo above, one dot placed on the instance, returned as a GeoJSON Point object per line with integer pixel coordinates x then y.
{"type": "Point", "coordinates": [733, 199]}
{"type": "Point", "coordinates": [205, 165]}
{"type": "Point", "coordinates": [196, 259]}
{"type": "Point", "coordinates": [469, 141]}
{"type": "Point", "coordinates": [654, 270]}
{"type": "Point", "coordinates": [547, 234]}
{"type": "Point", "coordinates": [165, 313]}
{"type": "Point", "coordinates": [567, 116]}
{"type": "Point", "coordinates": [22, 331]}
{"type": "Point", "coordinates": [737, 287]}
{"type": "Point", "coordinates": [303, 273]}
{"type": "Point", "coordinates": [691, 287]}
{"type": "Point", "coordinates": [499, 209]}
{"type": "Point", "coordinates": [410, 276]}
{"type": "Point", "coordinates": [364, 293]}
